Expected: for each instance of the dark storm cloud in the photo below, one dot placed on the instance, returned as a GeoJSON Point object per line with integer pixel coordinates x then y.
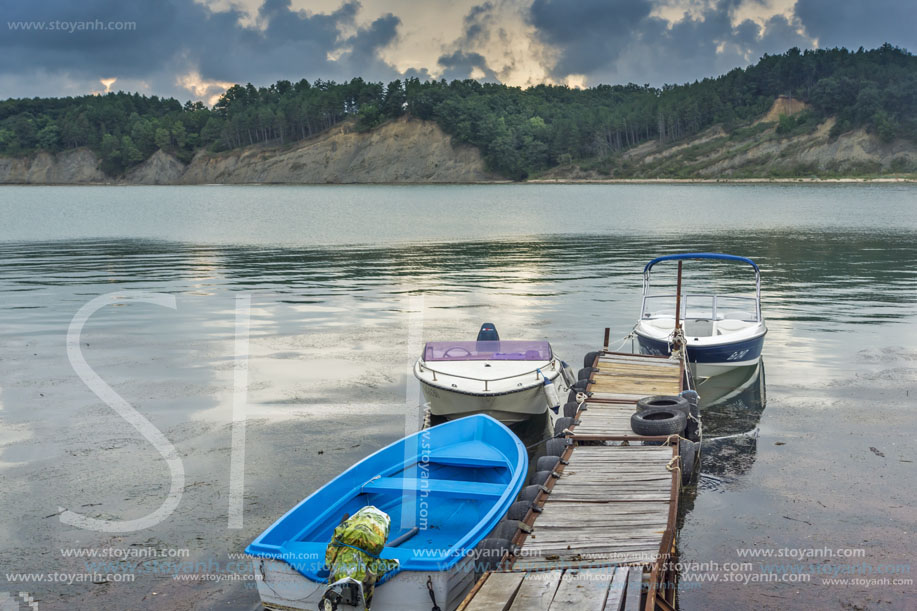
{"type": "Point", "coordinates": [860, 23]}
{"type": "Point", "coordinates": [589, 33]}
{"type": "Point", "coordinates": [459, 65]}
{"type": "Point", "coordinates": [616, 42]}
{"type": "Point", "coordinates": [610, 41]}
{"type": "Point", "coordinates": [176, 36]}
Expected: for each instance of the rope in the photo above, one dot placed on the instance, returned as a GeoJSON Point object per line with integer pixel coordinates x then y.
{"type": "Point", "coordinates": [555, 436]}
{"type": "Point", "coordinates": [432, 593]}
{"type": "Point", "coordinates": [752, 434]}
{"type": "Point", "coordinates": [673, 465]}
{"type": "Point", "coordinates": [624, 339]}
{"type": "Point", "coordinates": [355, 548]}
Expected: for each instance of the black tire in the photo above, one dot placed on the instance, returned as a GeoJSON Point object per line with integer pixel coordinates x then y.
{"type": "Point", "coordinates": [546, 463]}
{"type": "Point", "coordinates": [589, 359]}
{"type": "Point", "coordinates": [658, 421]}
{"type": "Point", "coordinates": [585, 373]}
{"type": "Point", "coordinates": [518, 510]}
{"type": "Point", "coordinates": [540, 478]}
{"type": "Point", "coordinates": [670, 401]}
{"type": "Point", "coordinates": [529, 493]}
{"type": "Point", "coordinates": [580, 386]}
{"type": "Point", "coordinates": [506, 529]}
{"type": "Point", "coordinates": [570, 409]}
{"type": "Point", "coordinates": [562, 423]}
{"type": "Point", "coordinates": [571, 396]}
{"type": "Point", "coordinates": [555, 447]}
{"type": "Point", "coordinates": [490, 553]}
{"type": "Point", "coordinates": [688, 453]}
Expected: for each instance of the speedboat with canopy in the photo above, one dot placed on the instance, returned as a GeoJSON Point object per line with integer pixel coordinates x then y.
{"type": "Point", "coordinates": [720, 331]}
{"type": "Point", "coordinates": [511, 380]}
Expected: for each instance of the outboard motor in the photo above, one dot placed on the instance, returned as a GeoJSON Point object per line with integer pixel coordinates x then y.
{"type": "Point", "coordinates": [488, 333]}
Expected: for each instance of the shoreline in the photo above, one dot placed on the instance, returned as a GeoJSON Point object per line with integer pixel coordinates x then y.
{"type": "Point", "coordinates": [678, 181]}
{"type": "Point", "coordinates": [533, 181]}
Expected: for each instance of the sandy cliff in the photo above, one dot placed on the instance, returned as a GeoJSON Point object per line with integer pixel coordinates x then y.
{"type": "Point", "coordinates": [714, 154]}
{"type": "Point", "coordinates": [79, 166]}
{"type": "Point", "coordinates": [403, 151]}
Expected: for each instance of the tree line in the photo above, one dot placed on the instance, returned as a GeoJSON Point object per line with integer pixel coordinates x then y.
{"type": "Point", "coordinates": [518, 131]}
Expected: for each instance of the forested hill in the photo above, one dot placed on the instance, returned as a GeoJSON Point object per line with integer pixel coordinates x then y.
{"type": "Point", "coordinates": [520, 132]}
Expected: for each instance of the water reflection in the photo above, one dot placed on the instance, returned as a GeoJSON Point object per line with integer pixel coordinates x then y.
{"type": "Point", "coordinates": [329, 356]}
{"type": "Point", "coordinates": [731, 406]}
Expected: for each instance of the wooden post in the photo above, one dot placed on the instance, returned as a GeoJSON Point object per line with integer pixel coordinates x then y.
{"type": "Point", "coordinates": [678, 302]}
{"type": "Point", "coordinates": [607, 337]}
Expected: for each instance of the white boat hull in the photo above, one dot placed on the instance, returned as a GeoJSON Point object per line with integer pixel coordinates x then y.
{"type": "Point", "coordinates": [283, 588]}
{"type": "Point", "coordinates": [506, 407]}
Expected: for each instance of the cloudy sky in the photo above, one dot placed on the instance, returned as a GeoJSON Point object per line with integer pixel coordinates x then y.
{"type": "Point", "coordinates": [193, 49]}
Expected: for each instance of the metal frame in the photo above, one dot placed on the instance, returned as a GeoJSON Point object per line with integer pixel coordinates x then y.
{"type": "Point", "coordinates": [702, 255]}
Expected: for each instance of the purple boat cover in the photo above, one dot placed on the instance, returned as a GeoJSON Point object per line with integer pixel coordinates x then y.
{"type": "Point", "coordinates": [503, 350]}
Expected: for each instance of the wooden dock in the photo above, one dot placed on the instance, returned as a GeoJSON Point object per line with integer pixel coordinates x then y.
{"type": "Point", "coordinates": [603, 525]}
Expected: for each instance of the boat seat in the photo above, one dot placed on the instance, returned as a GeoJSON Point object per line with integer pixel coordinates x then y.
{"type": "Point", "coordinates": [437, 487]}
{"type": "Point", "coordinates": [739, 316]}
{"type": "Point", "coordinates": [730, 325]}
{"type": "Point", "coordinates": [662, 323]}
{"type": "Point", "coordinates": [698, 327]}
{"type": "Point", "coordinates": [468, 454]}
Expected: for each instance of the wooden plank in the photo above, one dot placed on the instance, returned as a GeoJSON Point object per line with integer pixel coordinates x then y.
{"type": "Point", "coordinates": [537, 591]}
{"type": "Point", "coordinates": [572, 496]}
{"type": "Point", "coordinates": [616, 451]}
{"type": "Point", "coordinates": [565, 547]}
{"type": "Point", "coordinates": [582, 589]}
{"type": "Point", "coordinates": [616, 377]}
{"type": "Point", "coordinates": [615, 600]}
{"type": "Point", "coordinates": [634, 587]}
{"type": "Point", "coordinates": [617, 396]}
{"type": "Point", "coordinates": [573, 512]}
{"type": "Point", "coordinates": [640, 381]}
{"type": "Point", "coordinates": [555, 518]}
{"type": "Point", "coordinates": [603, 513]}
{"type": "Point", "coordinates": [583, 539]}
{"type": "Point", "coordinates": [610, 531]}
{"type": "Point", "coordinates": [624, 472]}
{"type": "Point", "coordinates": [638, 362]}
{"type": "Point", "coordinates": [633, 387]}
{"type": "Point", "coordinates": [644, 557]}
{"type": "Point", "coordinates": [617, 370]}
{"type": "Point", "coordinates": [497, 592]}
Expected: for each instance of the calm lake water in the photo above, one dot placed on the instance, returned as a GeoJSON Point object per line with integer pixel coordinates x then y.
{"type": "Point", "coordinates": [345, 282]}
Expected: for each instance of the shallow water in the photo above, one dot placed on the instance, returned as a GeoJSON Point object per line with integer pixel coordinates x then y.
{"type": "Point", "coordinates": [346, 282]}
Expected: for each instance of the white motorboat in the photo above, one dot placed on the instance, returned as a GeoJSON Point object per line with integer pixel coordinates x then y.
{"type": "Point", "coordinates": [721, 331]}
{"type": "Point", "coordinates": [510, 380]}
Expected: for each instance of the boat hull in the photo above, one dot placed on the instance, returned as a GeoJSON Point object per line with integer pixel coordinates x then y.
{"type": "Point", "coordinates": [508, 407]}
{"type": "Point", "coordinates": [710, 359]}
{"type": "Point", "coordinates": [281, 587]}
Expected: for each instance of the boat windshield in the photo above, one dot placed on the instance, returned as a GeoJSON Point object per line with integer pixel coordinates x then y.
{"type": "Point", "coordinates": [503, 350]}
{"type": "Point", "coordinates": [708, 307]}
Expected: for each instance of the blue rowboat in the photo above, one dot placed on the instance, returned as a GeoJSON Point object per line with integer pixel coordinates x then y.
{"type": "Point", "coordinates": [722, 331]}
{"type": "Point", "coordinates": [444, 488]}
